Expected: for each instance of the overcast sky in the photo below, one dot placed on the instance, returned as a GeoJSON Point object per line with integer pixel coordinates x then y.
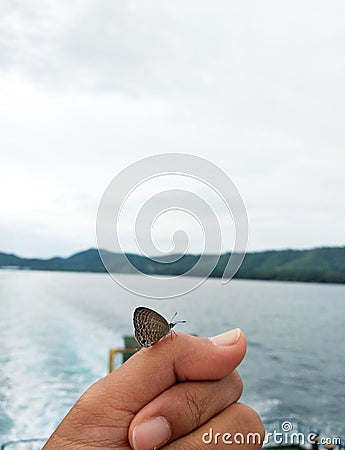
{"type": "Point", "coordinates": [88, 87]}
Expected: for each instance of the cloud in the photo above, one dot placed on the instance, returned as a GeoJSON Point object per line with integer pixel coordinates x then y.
{"type": "Point", "coordinates": [88, 87]}
{"type": "Point", "coordinates": [153, 46]}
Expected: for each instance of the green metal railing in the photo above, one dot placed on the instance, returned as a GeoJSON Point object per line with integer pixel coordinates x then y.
{"type": "Point", "coordinates": [131, 346]}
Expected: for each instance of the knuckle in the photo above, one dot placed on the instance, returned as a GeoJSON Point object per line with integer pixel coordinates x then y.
{"type": "Point", "coordinates": [250, 421]}
{"type": "Point", "coordinates": [91, 412]}
{"type": "Point", "coordinates": [195, 407]}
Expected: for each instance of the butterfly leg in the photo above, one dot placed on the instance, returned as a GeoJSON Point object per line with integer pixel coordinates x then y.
{"type": "Point", "coordinates": [171, 334]}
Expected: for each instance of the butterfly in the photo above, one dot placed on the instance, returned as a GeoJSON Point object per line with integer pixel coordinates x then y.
{"type": "Point", "coordinates": [150, 326]}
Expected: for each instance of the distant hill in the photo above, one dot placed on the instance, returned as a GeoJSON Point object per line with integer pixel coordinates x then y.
{"type": "Point", "coordinates": [325, 265]}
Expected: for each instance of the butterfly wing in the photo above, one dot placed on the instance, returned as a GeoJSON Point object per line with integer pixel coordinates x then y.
{"type": "Point", "coordinates": [149, 326]}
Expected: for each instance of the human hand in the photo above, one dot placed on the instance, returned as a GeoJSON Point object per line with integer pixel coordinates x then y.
{"type": "Point", "coordinates": [173, 394]}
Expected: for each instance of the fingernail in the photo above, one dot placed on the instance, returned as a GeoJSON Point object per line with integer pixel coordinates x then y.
{"type": "Point", "coordinates": [151, 434]}
{"type": "Point", "coordinates": [227, 338]}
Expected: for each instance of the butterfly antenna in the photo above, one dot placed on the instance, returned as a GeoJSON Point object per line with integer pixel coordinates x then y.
{"type": "Point", "coordinates": [178, 321]}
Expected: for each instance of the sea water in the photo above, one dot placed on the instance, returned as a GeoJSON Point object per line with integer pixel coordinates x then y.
{"type": "Point", "coordinates": [56, 329]}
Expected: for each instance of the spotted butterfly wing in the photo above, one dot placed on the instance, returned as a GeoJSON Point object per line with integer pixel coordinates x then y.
{"type": "Point", "coordinates": [149, 326]}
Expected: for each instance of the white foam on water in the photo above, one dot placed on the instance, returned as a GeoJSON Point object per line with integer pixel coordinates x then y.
{"type": "Point", "coordinates": [265, 407]}
{"type": "Point", "coordinates": [49, 358]}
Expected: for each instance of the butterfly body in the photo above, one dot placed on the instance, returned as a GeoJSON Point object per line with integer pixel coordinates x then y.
{"type": "Point", "coordinates": [150, 326]}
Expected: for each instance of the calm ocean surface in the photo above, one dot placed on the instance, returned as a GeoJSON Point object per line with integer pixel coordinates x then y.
{"type": "Point", "coordinates": [56, 329]}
